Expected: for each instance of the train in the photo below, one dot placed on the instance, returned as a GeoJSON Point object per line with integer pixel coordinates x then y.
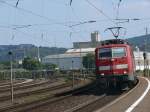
{"type": "Point", "coordinates": [115, 64]}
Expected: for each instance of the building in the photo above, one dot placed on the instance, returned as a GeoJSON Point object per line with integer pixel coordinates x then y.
{"type": "Point", "coordinates": [91, 44]}
{"type": "Point", "coordinates": [72, 59]}
{"type": "Point", "coordinates": [65, 61]}
{"type": "Point", "coordinates": [139, 60]}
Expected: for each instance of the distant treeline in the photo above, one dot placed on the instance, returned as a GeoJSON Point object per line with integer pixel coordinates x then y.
{"type": "Point", "coordinates": [27, 50]}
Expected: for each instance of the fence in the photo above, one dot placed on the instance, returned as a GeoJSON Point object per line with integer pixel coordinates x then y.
{"type": "Point", "coordinates": [39, 74]}
{"type": "Point", "coordinates": [23, 74]}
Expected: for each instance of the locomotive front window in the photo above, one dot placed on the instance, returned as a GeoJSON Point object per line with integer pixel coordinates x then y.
{"type": "Point", "coordinates": [105, 53]}
{"type": "Point", "coordinates": [118, 52]}
{"type": "Point", "coordinates": [112, 52]}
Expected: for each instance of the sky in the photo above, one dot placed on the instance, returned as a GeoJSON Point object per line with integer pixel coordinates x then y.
{"type": "Point", "coordinates": [47, 22]}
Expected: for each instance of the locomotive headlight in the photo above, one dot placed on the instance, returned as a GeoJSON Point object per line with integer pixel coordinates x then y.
{"type": "Point", "coordinates": [122, 66]}
{"type": "Point", "coordinates": [102, 74]}
{"type": "Point", "coordinates": [125, 72]}
{"type": "Point", "coordinates": [112, 59]}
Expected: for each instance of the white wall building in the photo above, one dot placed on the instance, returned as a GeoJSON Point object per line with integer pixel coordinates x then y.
{"type": "Point", "coordinates": [65, 61]}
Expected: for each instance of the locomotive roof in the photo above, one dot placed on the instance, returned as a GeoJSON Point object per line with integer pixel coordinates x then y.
{"type": "Point", "coordinates": [114, 41]}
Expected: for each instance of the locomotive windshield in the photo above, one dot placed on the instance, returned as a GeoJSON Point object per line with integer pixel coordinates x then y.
{"type": "Point", "coordinates": [112, 52]}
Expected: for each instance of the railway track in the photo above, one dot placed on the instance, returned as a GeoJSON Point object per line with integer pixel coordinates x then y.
{"type": "Point", "coordinates": [83, 100]}
{"type": "Point", "coordinates": [44, 90]}
{"type": "Point", "coordinates": [94, 104]}
{"type": "Point", "coordinates": [27, 85]}
{"type": "Point", "coordinates": [99, 102]}
{"type": "Point", "coordinates": [16, 83]}
{"type": "Point", "coordinates": [32, 92]}
{"type": "Point", "coordinates": [7, 83]}
{"type": "Point", "coordinates": [54, 100]}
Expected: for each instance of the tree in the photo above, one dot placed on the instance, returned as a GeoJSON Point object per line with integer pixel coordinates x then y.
{"type": "Point", "coordinates": [5, 65]}
{"type": "Point", "coordinates": [49, 66]}
{"type": "Point", "coordinates": [31, 64]}
{"type": "Point", "coordinates": [89, 61]}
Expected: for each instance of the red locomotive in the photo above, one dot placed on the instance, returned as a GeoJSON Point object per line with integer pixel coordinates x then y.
{"type": "Point", "coordinates": [115, 63]}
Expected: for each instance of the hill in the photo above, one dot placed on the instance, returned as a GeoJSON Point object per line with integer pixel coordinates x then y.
{"type": "Point", "coordinates": [141, 41]}
{"type": "Point", "coordinates": [24, 50]}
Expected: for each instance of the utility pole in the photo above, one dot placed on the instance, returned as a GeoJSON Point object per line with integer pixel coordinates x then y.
{"type": "Point", "coordinates": [138, 50]}
{"type": "Point", "coordinates": [72, 74]}
{"type": "Point", "coordinates": [81, 58]}
{"type": "Point", "coordinates": [146, 30]}
{"type": "Point", "coordinates": [145, 55]}
{"type": "Point", "coordinates": [24, 53]}
{"type": "Point", "coordinates": [147, 60]}
{"type": "Point", "coordinates": [38, 51]}
{"type": "Point", "coordinates": [11, 77]}
{"type": "Point", "coordinates": [72, 63]}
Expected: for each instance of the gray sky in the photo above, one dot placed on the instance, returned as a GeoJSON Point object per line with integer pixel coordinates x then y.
{"type": "Point", "coordinates": [46, 22]}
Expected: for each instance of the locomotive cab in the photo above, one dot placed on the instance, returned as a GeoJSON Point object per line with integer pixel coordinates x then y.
{"type": "Point", "coordinates": [115, 62]}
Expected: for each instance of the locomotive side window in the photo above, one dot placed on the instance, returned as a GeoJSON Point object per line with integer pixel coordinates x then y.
{"type": "Point", "coordinates": [112, 52]}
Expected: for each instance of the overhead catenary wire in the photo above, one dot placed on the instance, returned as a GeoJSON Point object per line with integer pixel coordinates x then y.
{"type": "Point", "coordinates": [63, 23]}
{"type": "Point", "coordinates": [32, 13]}
{"type": "Point", "coordinates": [72, 31]}
{"type": "Point", "coordinates": [100, 11]}
{"type": "Point", "coordinates": [20, 26]}
{"type": "Point", "coordinates": [34, 36]}
{"type": "Point", "coordinates": [20, 0]}
{"type": "Point", "coordinates": [74, 14]}
{"type": "Point", "coordinates": [38, 14]}
{"type": "Point", "coordinates": [42, 36]}
{"type": "Point", "coordinates": [26, 11]}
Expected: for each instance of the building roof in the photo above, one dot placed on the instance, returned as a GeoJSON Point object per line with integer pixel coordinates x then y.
{"type": "Point", "coordinates": [82, 50]}
{"type": "Point", "coordinates": [66, 55]}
